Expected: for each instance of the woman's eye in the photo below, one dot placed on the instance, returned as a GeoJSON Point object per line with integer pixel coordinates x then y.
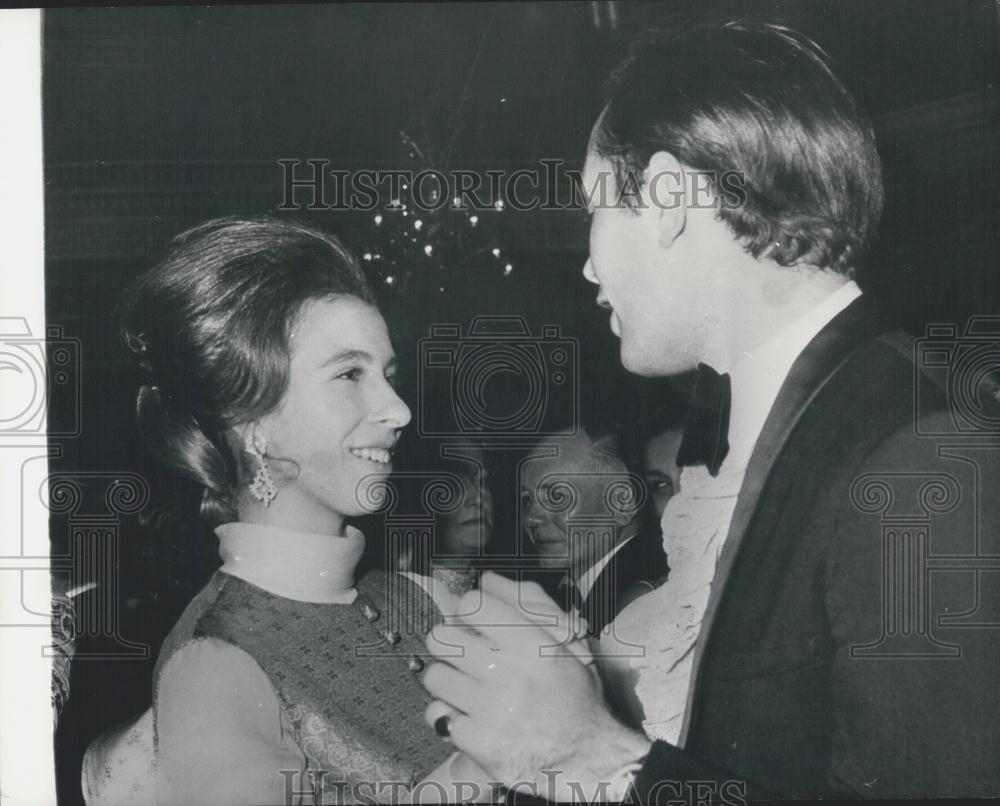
{"type": "Point", "coordinates": [393, 380]}
{"type": "Point", "coordinates": [660, 483]}
{"type": "Point", "coordinates": [352, 374]}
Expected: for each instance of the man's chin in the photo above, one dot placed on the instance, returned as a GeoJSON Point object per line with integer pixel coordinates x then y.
{"type": "Point", "coordinates": [641, 363]}
{"type": "Point", "coordinates": [638, 364]}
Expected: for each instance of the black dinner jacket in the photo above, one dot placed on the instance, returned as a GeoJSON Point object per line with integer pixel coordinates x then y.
{"type": "Point", "coordinates": [850, 646]}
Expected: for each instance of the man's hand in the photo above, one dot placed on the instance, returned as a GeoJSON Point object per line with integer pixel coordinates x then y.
{"type": "Point", "coordinates": [524, 713]}
{"type": "Point", "coordinates": [567, 631]}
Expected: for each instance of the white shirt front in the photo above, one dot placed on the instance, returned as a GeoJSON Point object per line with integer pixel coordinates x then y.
{"type": "Point", "coordinates": [695, 525]}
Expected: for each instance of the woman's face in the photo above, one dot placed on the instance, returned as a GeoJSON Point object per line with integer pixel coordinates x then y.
{"type": "Point", "coordinates": [340, 417]}
{"type": "Point", "coordinates": [468, 530]}
{"type": "Point", "coordinates": [663, 477]}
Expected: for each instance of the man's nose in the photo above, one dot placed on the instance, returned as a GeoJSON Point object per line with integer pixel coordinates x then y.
{"type": "Point", "coordinates": [530, 513]}
{"type": "Point", "coordinates": [588, 272]}
{"type": "Point", "coordinates": [536, 515]}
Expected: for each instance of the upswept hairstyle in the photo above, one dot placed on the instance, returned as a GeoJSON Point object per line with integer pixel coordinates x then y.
{"type": "Point", "coordinates": [760, 100]}
{"type": "Point", "coordinates": [208, 327]}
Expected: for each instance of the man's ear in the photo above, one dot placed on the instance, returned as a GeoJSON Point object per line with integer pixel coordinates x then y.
{"type": "Point", "coordinates": [623, 517]}
{"type": "Point", "coordinates": [665, 181]}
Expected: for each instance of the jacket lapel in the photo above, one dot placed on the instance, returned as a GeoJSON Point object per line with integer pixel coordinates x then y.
{"type": "Point", "coordinates": [815, 366]}
{"type": "Point", "coordinates": [601, 605]}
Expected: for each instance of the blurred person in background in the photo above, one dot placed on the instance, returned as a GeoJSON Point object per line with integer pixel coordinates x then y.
{"type": "Point", "coordinates": [581, 511]}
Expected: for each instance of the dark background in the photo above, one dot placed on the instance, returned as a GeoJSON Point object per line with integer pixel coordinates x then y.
{"type": "Point", "coordinates": [157, 118]}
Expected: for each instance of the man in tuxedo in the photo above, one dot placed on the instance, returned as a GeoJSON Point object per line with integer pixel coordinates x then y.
{"type": "Point", "coordinates": [580, 510]}
{"type": "Point", "coordinates": [829, 627]}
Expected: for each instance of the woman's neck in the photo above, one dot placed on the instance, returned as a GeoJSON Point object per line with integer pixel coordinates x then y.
{"type": "Point", "coordinates": [289, 513]}
{"type": "Point", "coordinates": [306, 566]}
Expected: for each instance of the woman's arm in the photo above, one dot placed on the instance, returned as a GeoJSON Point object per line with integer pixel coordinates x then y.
{"type": "Point", "coordinates": [220, 737]}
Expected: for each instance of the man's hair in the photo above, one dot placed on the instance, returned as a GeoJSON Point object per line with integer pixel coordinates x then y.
{"type": "Point", "coordinates": [760, 100]}
{"type": "Point", "coordinates": [609, 449]}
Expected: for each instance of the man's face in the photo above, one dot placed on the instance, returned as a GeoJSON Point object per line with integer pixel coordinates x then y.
{"type": "Point", "coordinates": [578, 471]}
{"type": "Point", "coordinates": [656, 293]}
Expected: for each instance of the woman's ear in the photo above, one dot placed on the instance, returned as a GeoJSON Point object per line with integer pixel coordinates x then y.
{"type": "Point", "coordinates": [251, 438]}
{"type": "Point", "coordinates": [665, 193]}
{"type": "Point", "coordinates": [243, 434]}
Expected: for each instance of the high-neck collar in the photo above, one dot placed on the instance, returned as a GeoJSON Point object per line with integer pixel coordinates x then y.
{"type": "Point", "coordinates": [296, 565]}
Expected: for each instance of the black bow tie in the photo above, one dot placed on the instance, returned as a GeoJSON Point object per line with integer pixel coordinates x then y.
{"type": "Point", "coordinates": [706, 424]}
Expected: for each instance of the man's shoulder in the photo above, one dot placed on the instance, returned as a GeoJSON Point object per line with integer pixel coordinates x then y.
{"type": "Point", "coordinates": [929, 393]}
{"type": "Point", "coordinates": [872, 406]}
{"type": "Point", "coordinates": [882, 381]}
{"type": "Point", "coordinates": [884, 410]}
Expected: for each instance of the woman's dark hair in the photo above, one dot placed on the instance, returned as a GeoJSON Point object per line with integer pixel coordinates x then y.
{"type": "Point", "coordinates": [665, 410]}
{"type": "Point", "coordinates": [208, 327]}
{"type": "Point", "coordinates": [761, 101]}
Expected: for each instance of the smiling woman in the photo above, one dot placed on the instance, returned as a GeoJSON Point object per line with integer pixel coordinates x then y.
{"type": "Point", "coordinates": [340, 417]}
{"type": "Point", "coordinates": [268, 382]}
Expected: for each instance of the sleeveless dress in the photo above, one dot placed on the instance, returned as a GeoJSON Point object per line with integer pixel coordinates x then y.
{"type": "Point", "coordinates": [333, 688]}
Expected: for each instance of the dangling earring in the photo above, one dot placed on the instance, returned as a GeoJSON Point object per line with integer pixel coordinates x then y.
{"type": "Point", "coordinates": [262, 486]}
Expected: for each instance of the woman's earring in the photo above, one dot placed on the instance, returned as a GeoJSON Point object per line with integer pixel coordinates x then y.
{"type": "Point", "coordinates": [262, 486]}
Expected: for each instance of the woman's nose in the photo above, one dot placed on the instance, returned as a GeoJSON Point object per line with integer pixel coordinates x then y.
{"type": "Point", "coordinates": [588, 272]}
{"type": "Point", "coordinates": [393, 411]}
